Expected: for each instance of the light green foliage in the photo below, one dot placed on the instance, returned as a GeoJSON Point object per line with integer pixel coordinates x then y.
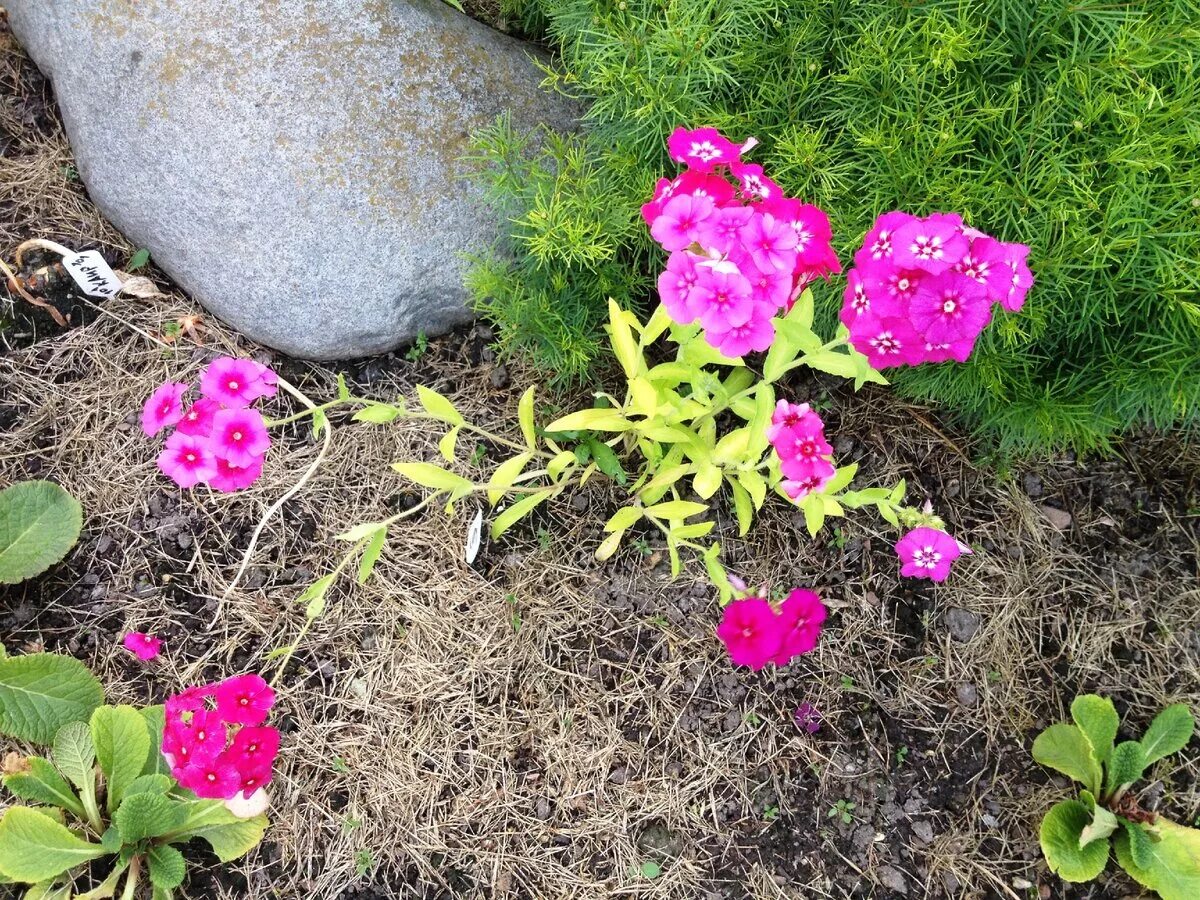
{"type": "Point", "coordinates": [109, 751]}
{"type": "Point", "coordinates": [41, 692]}
{"type": "Point", "coordinates": [1076, 835]}
{"type": "Point", "coordinates": [1066, 126]}
{"type": "Point", "coordinates": [39, 523]}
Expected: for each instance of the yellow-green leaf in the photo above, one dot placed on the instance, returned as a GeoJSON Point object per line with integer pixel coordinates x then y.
{"type": "Point", "coordinates": [447, 444]}
{"type": "Point", "coordinates": [518, 511]}
{"type": "Point", "coordinates": [676, 509]}
{"type": "Point", "coordinates": [659, 322]}
{"type": "Point", "coordinates": [707, 481]}
{"type": "Point", "coordinates": [643, 397]}
{"type": "Point", "coordinates": [438, 406]}
{"type": "Point", "coordinates": [504, 476]}
{"type": "Point", "coordinates": [691, 532]}
{"type": "Point", "coordinates": [525, 415]}
{"type": "Point", "coordinates": [609, 545]}
{"type": "Point", "coordinates": [431, 476]}
{"type": "Point", "coordinates": [665, 478]}
{"type": "Point", "coordinates": [623, 518]}
{"type": "Point", "coordinates": [814, 513]}
{"type": "Point", "coordinates": [742, 505]}
{"type": "Point", "coordinates": [755, 485]}
{"type": "Point", "coordinates": [590, 420]}
{"type": "Point", "coordinates": [624, 346]}
{"type": "Point", "coordinates": [378, 413]}
{"type": "Point", "coordinates": [556, 466]}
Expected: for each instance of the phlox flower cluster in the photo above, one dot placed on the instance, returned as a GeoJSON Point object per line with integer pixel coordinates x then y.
{"type": "Point", "coordinates": [218, 440]}
{"type": "Point", "coordinates": [740, 250]}
{"type": "Point", "coordinates": [214, 739]}
{"type": "Point", "coordinates": [757, 632]}
{"type": "Point", "coordinates": [798, 436]}
{"type": "Point", "coordinates": [922, 289]}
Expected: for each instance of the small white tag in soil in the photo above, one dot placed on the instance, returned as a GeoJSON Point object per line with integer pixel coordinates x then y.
{"type": "Point", "coordinates": [92, 274]}
{"type": "Point", "coordinates": [474, 536]}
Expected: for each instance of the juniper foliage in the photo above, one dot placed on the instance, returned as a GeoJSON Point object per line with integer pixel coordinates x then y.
{"type": "Point", "coordinates": [1072, 127]}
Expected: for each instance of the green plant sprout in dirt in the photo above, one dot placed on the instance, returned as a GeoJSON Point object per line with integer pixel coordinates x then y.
{"type": "Point", "coordinates": [1077, 835]}
{"type": "Point", "coordinates": [107, 803]}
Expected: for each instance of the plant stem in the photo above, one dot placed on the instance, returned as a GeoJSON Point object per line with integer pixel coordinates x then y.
{"type": "Point", "coordinates": [87, 794]}
{"type": "Point", "coordinates": [131, 881]}
{"type": "Point", "coordinates": [271, 423]}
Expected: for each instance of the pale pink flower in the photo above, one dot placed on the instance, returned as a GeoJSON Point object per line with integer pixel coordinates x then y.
{"type": "Point", "coordinates": [187, 460]}
{"type": "Point", "coordinates": [722, 298]}
{"type": "Point", "coordinates": [164, 408]}
{"type": "Point", "coordinates": [770, 243]}
{"type": "Point", "coordinates": [143, 646]}
{"type": "Point", "coordinates": [239, 436]}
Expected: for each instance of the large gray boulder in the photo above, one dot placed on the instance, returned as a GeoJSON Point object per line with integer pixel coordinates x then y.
{"type": "Point", "coordinates": [294, 164]}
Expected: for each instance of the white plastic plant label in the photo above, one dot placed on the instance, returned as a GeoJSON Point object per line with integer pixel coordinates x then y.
{"type": "Point", "coordinates": [92, 274]}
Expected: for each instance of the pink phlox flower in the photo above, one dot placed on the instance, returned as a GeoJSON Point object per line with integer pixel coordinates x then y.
{"type": "Point", "coordinates": [143, 646]}
{"type": "Point", "coordinates": [678, 225]}
{"type": "Point", "coordinates": [196, 737]}
{"type": "Point", "coordinates": [187, 460]}
{"type": "Point", "coordinates": [722, 230]}
{"type": "Point", "coordinates": [887, 341]}
{"type": "Point", "coordinates": [662, 193]}
{"type": "Point", "coordinates": [198, 420]}
{"type": "Point", "coordinates": [229, 477]}
{"type": "Point", "coordinates": [950, 307]}
{"type": "Point", "coordinates": [268, 381]}
{"type": "Point", "coordinates": [770, 243]}
{"type": "Point", "coordinates": [675, 286]}
{"type": "Point", "coordinates": [878, 245]}
{"type": "Point", "coordinates": [855, 300]}
{"type": "Point", "coordinates": [985, 262]}
{"type": "Point", "coordinates": [892, 289]}
{"type": "Point", "coordinates": [722, 297]}
{"type": "Point", "coordinates": [928, 553]}
{"type": "Point", "coordinates": [236, 383]}
{"type": "Point", "coordinates": [211, 779]}
{"type": "Point", "coordinates": [713, 187]}
{"type": "Point", "coordinates": [193, 699]}
{"type": "Point", "coordinates": [754, 335]}
{"type": "Point", "coordinates": [244, 699]}
{"type": "Point", "coordinates": [164, 407]}
{"type": "Point", "coordinates": [814, 476]}
{"type": "Point", "coordinates": [750, 631]}
{"type": "Point", "coordinates": [770, 289]}
{"type": "Point", "coordinates": [932, 244]}
{"type": "Point", "coordinates": [253, 752]}
{"type": "Point", "coordinates": [800, 618]}
{"type": "Point", "coordinates": [702, 149]}
{"type": "Point", "coordinates": [755, 185]}
{"type": "Point", "coordinates": [239, 436]}
{"type": "Point", "coordinates": [1021, 277]}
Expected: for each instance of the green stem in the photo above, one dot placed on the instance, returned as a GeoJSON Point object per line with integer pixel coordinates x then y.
{"type": "Point", "coordinates": [131, 881]}
{"type": "Point", "coordinates": [88, 795]}
{"type": "Point", "coordinates": [271, 423]}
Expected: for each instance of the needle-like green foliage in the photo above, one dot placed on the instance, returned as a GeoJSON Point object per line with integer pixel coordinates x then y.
{"type": "Point", "coordinates": [1073, 127]}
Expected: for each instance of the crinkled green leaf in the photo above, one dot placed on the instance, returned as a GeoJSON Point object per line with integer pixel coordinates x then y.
{"type": "Point", "coordinates": [1126, 765]}
{"type": "Point", "coordinates": [122, 747]}
{"type": "Point", "coordinates": [167, 866]}
{"type": "Point", "coordinates": [229, 836]}
{"type": "Point", "coordinates": [1059, 836]}
{"type": "Point", "coordinates": [147, 815]}
{"type": "Point", "coordinates": [75, 754]}
{"type": "Point", "coordinates": [154, 718]}
{"type": "Point", "coordinates": [35, 848]}
{"type": "Point", "coordinates": [1171, 864]}
{"type": "Point", "coordinates": [39, 523]}
{"type": "Point", "coordinates": [42, 692]}
{"type": "Point", "coordinates": [1097, 719]}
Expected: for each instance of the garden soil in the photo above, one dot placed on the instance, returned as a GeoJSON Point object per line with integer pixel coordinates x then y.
{"type": "Point", "coordinates": [539, 725]}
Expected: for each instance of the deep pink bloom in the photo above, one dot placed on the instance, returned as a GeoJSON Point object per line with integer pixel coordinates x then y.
{"type": "Point", "coordinates": [231, 478]}
{"type": "Point", "coordinates": [239, 436]}
{"type": "Point", "coordinates": [143, 646]}
{"type": "Point", "coordinates": [755, 185]}
{"type": "Point", "coordinates": [985, 262]}
{"type": "Point", "coordinates": [722, 231]}
{"type": "Point", "coordinates": [191, 700]}
{"type": "Point", "coordinates": [878, 245]}
{"type": "Point", "coordinates": [932, 244]}
{"type": "Point", "coordinates": [198, 738]}
{"type": "Point", "coordinates": [253, 753]}
{"type": "Point", "coordinates": [700, 184]}
{"type": "Point", "coordinates": [887, 341]}
{"type": "Point", "coordinates": [770, 290]}
{"type": "Point", "coordinates": [722, 297]}
{"type": "Point", "coordinates": [236, 383]}
{"type": "Point", "coordinates": [818, 475]}
{"type": "Point", "coordinates": [198, 420]}
{"type": "Point", "coordinates": [950, 307]}
{"type": "Point", "coordinates": [675, 286]}
{"type": "Point", "coordinates": [770, 243]}
{"type": "Point", "coordinates": [795, 420]}
{"type": "Point", "coordinates": [855, 300]}
{"type": "Point", "coordinates": [801, 616]}
{"type": "Point", "coordinates": [1021, 277]}
{"type": "Point", "coordinates": [754, 335]}
{"type": "Point", "coordinates": [750, 631]}
{"type": "Point", "coordinates": [702, 149]}
{"type": "Point", "coordinates": [164, 408]}
{"type": "Point", "coordinates": [678, 226]}
{"type": "Point", "coordinates": [187, 460]}
{"type": "Point", "coordinates": [892, 289]}
{"type": "Point", "coordinates": [928, 553]}
{"type": "Point", "coordinates": [244, 699]}
{"type": "Point", "coordinates": [213, 779]}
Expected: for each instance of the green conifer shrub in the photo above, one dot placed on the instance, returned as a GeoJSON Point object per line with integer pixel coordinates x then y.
{"type": "Point", "coordinates": [1071, 127]}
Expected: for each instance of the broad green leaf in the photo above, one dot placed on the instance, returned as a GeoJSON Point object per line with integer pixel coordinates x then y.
{"type": "Point", "coordinates": [504, 476]}
{"type": "Point", "coordinates": [755, 485]}
{"type": "Point", "coordinates": [591, 420]}
{"type": "Point", "coordinates": [154, 718]}
{"type": "Point", "coordinates": [229, 836]}
{"type": "Point", "coordinates": [42, 692]}
{"type": "Point", "coordinates": [525, 416]}
{"type": "Point", "coordinates": [1059, 836]}
{"type": "Point", "coordinates": [358, 532]}
{"type": "Point", "coordinates": [431, 476]}
{"type": "Point", "coordinates": [54, 889]}
{"type": "Point", "coordinates": [35, 848]}
{"type": "Point", "coordinates": [742, 505]}
{"type": "Point", "coordinates": [1103, 824]}
{"type": "Point", "coordinates": [167, 866]}
{"type": "Point", "coordinates": [607, 461]}
{"type": "Point", "coordinates": [707, 481]}
{"type": "Point", "coordinates": [148, 815]}
{"type": "Point", "coordinates": [676, 509]}
{"type": "Point", "coordinates": [149, 784]}
{"type": "Point", "coordinates": [1126, 765]}
{"type": "Point", "coordinates": [625, 348]}
{"type": "Point", "coordinates": [39, 523]}
{"type": "Point", "coordinates": [693, 531]}
{"type": "Point", "coordinates": [122, 746]}
{"type": "Point", "coordinates": [1097, 719]}
{"type": "Point", "coordinates": [1140, 846]}
{"type": "Point", "coordinates": [1172, 863]}
{"type": "Point", "coordinates": [841, 478]}
{"type": "Point", "coordinates": [43, 784]}
{"type": "Point", "coordinates": [1168, 733]}
{"type": "Point", "coordinates": [448, 443]}
{"type": "Point", "coordinates": [779, 357]}
{"type": "Point", "coordinates": [438, 406]}
{"type": "Point", "coordinates": [609, 545]}
{"type": "Point", "coordinates": [840, 364]}
{"type": "Point", "coordinates": [518, 511]}
{"type": "Point", "coordinates": [371, 554]}
{"type": "Point", "coordinates": [75, 754]}
{"type": "Point", "coordinates": [1065, 749]}
{"type": "Point", "coordinates": [733, 448]}
{"type": "Point", "coordinates": [623, 518]}
{"type": "Point", "coordinates": [377, 414]}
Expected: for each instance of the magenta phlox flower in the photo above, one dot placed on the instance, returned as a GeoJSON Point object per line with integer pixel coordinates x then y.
{"type": "Point", "coordinates": [754, 335]}
{"type": "Point", "coordinates": [932, 244]}
{"type": "Point", "coordinates": [245, 699]}
{"type": "Point", "coordinates": [950, 307]}
{"type": "Point", "coordinates": [757, 633]}
{"type": "Point", "coordinates": [198, 420]}
{"type": "Point", "coordinates": [187, 460]}
{"type": "Point", "coordinates": [239, 436]}
{"type": "Point", "coordinates": [801, 616]}
{"type": "Point", "coordinates": [702, 149]}
{"type": "Point", "coordinates": [230, 477]}
{"type": "Point", "coordinates": [679, 224]}
{"type": "Point", "coordinates": [928, 553]}
{"type": "Point", "coordinates": [235, 383]}
{"type": "Point", "coordinates": [770, 242]}
{"type": "Point", "coordinates": [722, 297]}
{"type": "Point", "coordinates": [807, 718]}
{"type": "Point", "coordinates": [144, 646]}
{"type": "Point", "coordinates": [164, 408]}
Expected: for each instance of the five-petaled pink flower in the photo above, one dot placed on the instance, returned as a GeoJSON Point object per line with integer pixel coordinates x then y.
{"type": "Point", "coordinates": [245, 699]}
{"type": "Point", "coordinates": [198, 420]}
{"type": "Point", "coordinates": [928, 553]}
{"type": "Point", "coordinates": [164, 408]}
{"type": "Point", "coordinates": [756, 633]}
{"type": "Point", "coordinates": [239, 436]}
{"type": "Point", "coordinates": [187, 460]}
{"type": "Point", "coordinates": [143, 646]}
{"type": "Point", "coordinates": [236, 383]}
